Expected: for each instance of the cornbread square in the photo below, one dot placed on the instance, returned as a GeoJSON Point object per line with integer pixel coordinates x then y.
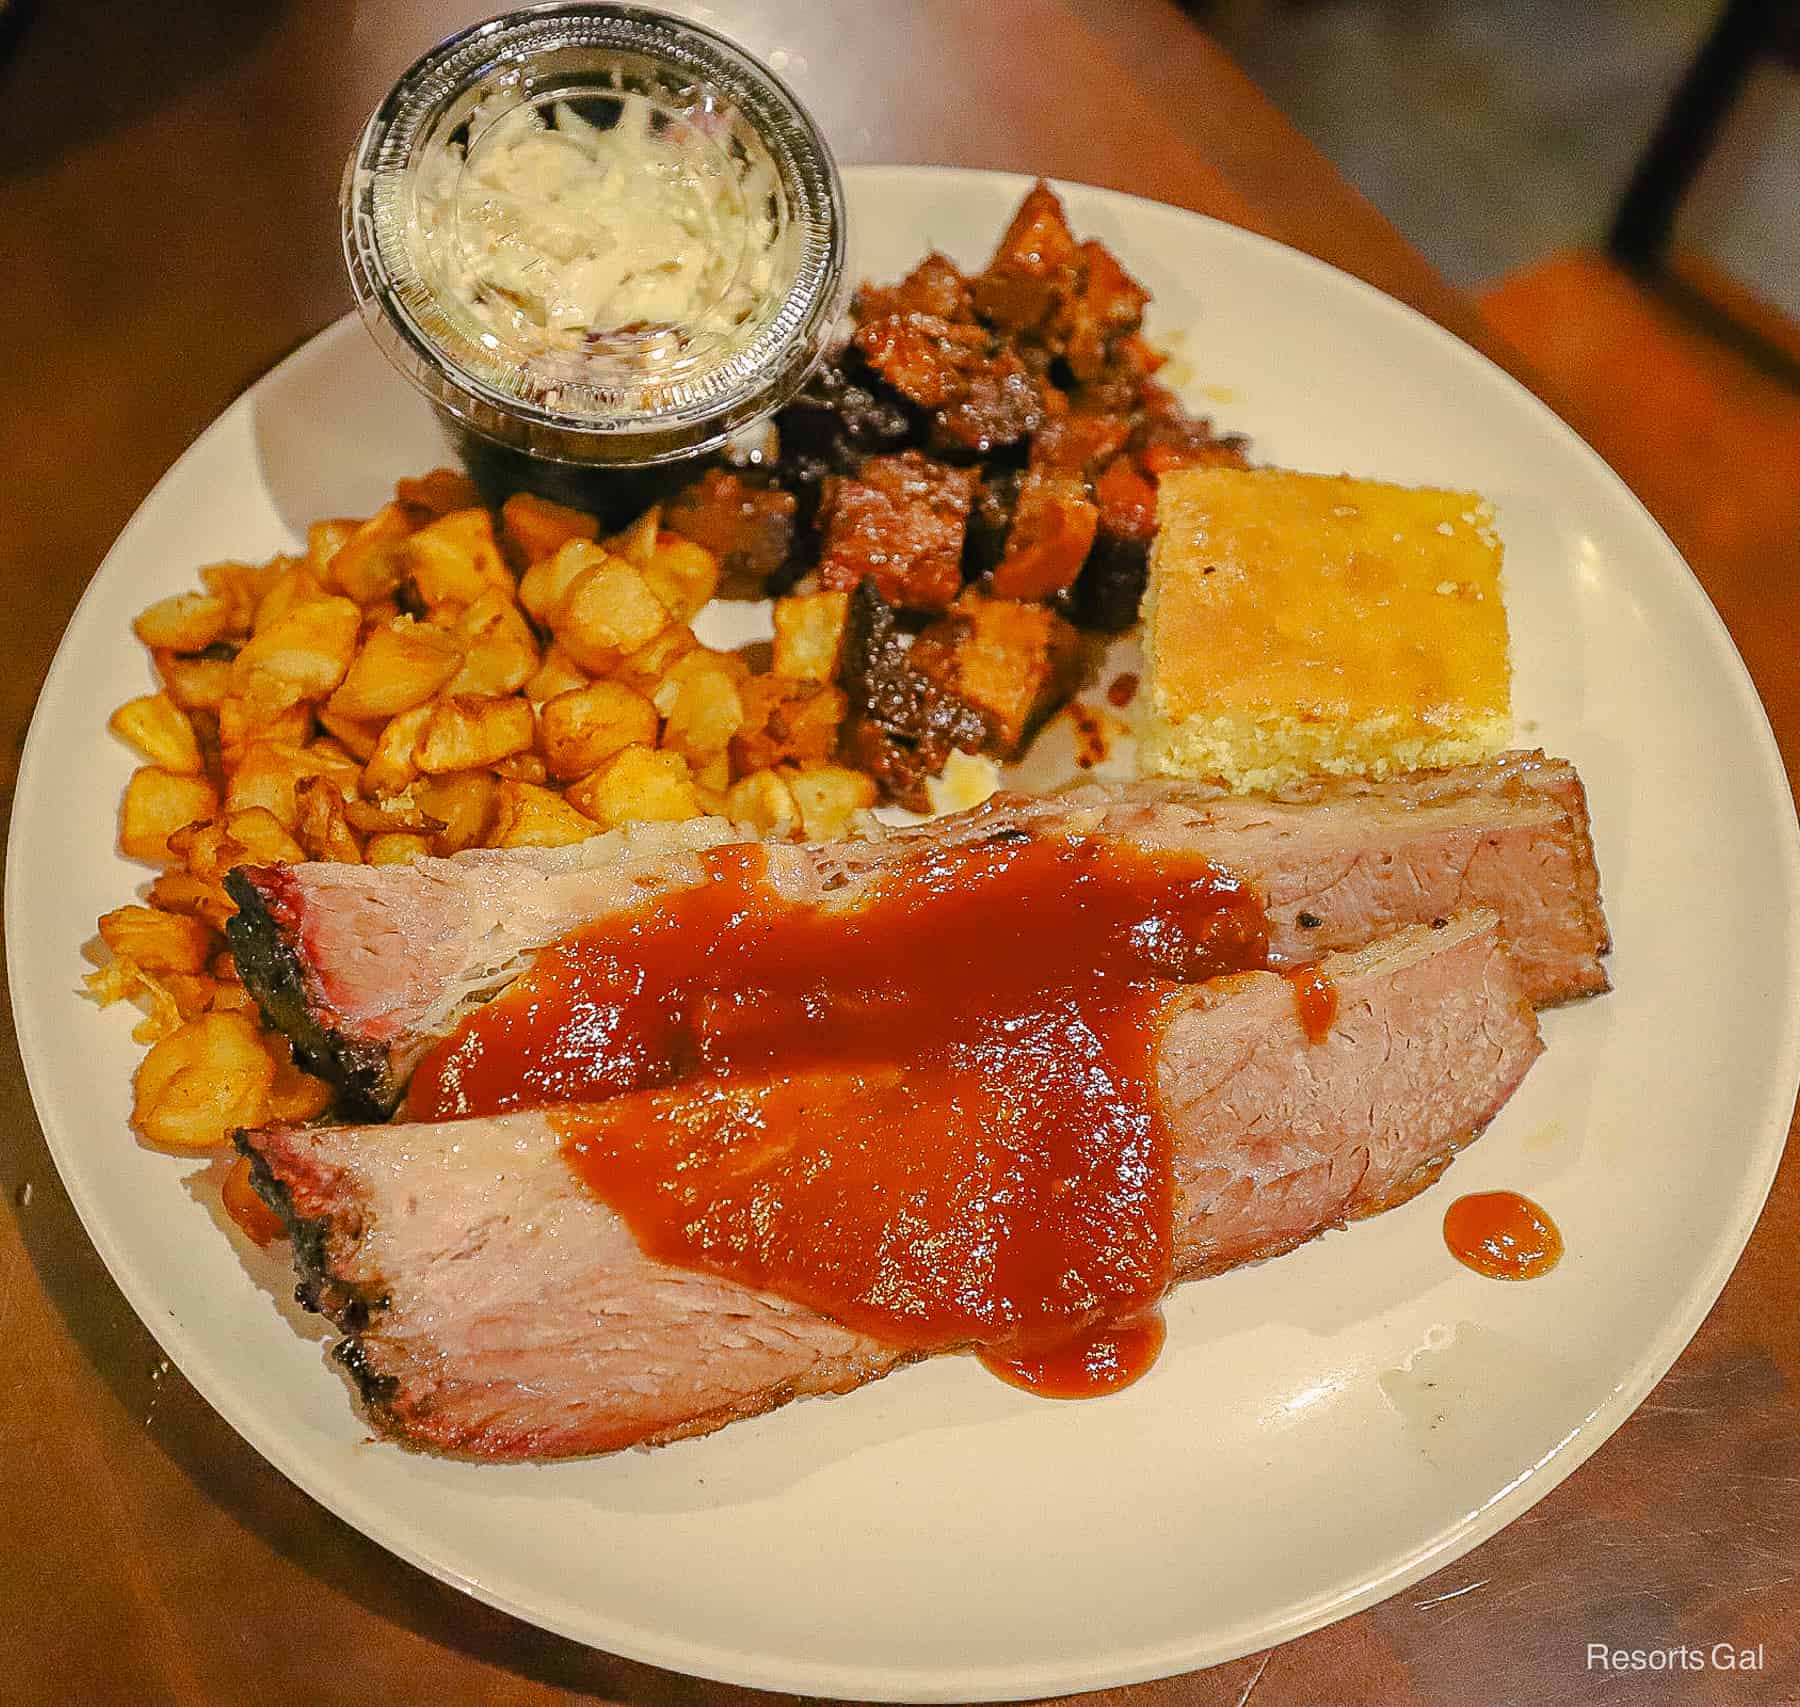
{"type": "Point", "coordinates": [1297, 623]}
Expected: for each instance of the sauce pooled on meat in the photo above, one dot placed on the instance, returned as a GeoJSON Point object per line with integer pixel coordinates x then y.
{"type": "Point", "coordinates": [930, 1115]}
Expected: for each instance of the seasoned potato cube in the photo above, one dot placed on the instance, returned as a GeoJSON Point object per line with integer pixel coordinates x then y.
{"type": "Point", "coordinates": [829, 797]}
{"type": "Point", "coordinates": [395, 763]}
{"type": "Point", "coordinates": [529, 816]}
{"type": "Point", "coordinates": [536, 528]}
{"type": "Point", "coordinates": [241, 586]}
{"type": "Point", "coordinates": [542, 586]}
{"type": "Point", "coordinates": [320, 825]}
{"type": "Point", "coordinates": [465, 731]}
{"type": "Point", "coordinates": [202, 1082]}
{"type": "Point", "coordinates": [324, 540]}
{"type": "Point", "coordinates": [401, 664]}
{"type": "Point", "coordinates": [809, 635]}
{"type": "Point", "coordinates": [260, 838]}
{"type": "Point", "coordinates": [295, 585]}
{"type": "Point", "coordinates": [392, 812]}
{"type": "Point", "coordinates": [182, 892]}
{"type": "Point", "coordinates": [372, 562]}
{"type": "Point", "coordinates": [645, 668]}
{"type": "Point", "coordinates": [294, 1095]}
{"type": "Point", "coordinates": [463, 804]}
{"type": "Point", "coordinates": [158, 803]}
{"type": "Point", "coordinates": [454, 560]}
{"type": "Point", "coordinates": [579, 730]}
{"type": "Point", "coordinates": [186, 622]}
{"type": "Point", "coordinates": [359, 736]}
{"type": "Point", "coordinates": [502, 652]}
{"type": "Point", "coordinates": [303, 654]}
{"type": "Point", "coordinates": [195, 684]}
{"type": "Point", "coordinates": [191, 992]}
{"type": "Point", "coordinates": [637, 784]}
{"type": "Point", "coordinates": [270, 773]}
{"type": "Point", "coordinates": [440, 491]}
{"type": "Point", "coordinates": [608, 611]}
{"type": "Point", "coordinates": [160, 730]}
{"type": "Point", "coordinates": [523, 767]}
{"type": "Point", "coordinates": [241, 722]}
{"type": "Point", "coordinates": [157, 941]}
{"type": "Point", "coordinates": [764, 801]}
{"type": "Point", "coordinates": [702, 703]}
{"type": "Point", "coordinates": [682, 574]}
{"type": "Point", "coordinates": [396, 847]}
{"type": "Point", "coordinates": [557, 674]}
{"type": "Point", "coordinates": [787, 721]}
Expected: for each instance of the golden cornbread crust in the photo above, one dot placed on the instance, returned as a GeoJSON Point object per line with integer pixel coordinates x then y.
{"type": "Point", "coordinates": [1299, 623]}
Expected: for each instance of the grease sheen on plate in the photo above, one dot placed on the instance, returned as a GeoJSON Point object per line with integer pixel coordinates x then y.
{"type": "Point", "coordinates": [939, 1535]}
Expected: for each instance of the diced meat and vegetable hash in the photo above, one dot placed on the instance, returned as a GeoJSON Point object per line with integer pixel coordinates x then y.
{"type": "Point", "coordinates": [954, 498]}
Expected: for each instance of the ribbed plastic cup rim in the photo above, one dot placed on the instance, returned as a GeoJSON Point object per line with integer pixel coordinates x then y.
{"type": "Point", "coordinates": [745, 387]}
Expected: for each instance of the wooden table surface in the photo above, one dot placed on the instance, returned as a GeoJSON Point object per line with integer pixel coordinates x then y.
{"type": "Point", "coordinates": [168, 194]}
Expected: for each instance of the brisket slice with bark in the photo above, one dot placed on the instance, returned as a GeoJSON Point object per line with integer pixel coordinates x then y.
{"type": "Point", "coordinates": [363, 967]}
{"type": "Point", "coordinates": [496, 1308]}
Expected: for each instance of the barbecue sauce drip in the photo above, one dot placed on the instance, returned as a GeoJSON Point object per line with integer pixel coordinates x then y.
{"type": "Point", "coordinates": [1502, 1235]}
{"type": "Point", "coordinates": [1315, 1000]}
{"type": "Point", "coordinates": [929, 1114]}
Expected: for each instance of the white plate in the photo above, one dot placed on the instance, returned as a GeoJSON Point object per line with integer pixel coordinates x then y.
{"type": "Point", "coordinates": [1323, 1429]}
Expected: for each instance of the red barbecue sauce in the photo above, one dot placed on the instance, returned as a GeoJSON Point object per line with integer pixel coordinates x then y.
{"type": "Point", "coordinates": [1315, 1000]}
{"type": "Point", "coordinates": [1502, 1235]}
{"type": "Point", "coordinates": [928, 1114]}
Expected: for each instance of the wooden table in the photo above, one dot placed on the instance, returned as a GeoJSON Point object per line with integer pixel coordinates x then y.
{"type": "Point", "coordinates": [168, 190]}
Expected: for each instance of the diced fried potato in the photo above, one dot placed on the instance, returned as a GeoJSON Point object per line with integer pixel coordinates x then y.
{"type": "Point", "coordinates": [829, 797]}
{"type": "Point", "coordinates": [270, 772]}
{"type": "Point", "coordinates": [255, 1219]}
{"type": "Point", "coordinates": [463, 803]}
{"type": "Point", "coordinates": [396, 847]}
{"type": "Point", "coordinates": [320, 825]}
{"type": "Point", "coordinates": [368, 563]}
{"type": "Point", "coordinates": [809, 635]}
{"type": "Point", "coordinates": [536, 528]}
{"type": "Point", "coordinates": [557, 674]}
{"type": "Point", "coordinates": [192, 992]}
{"type": "Point", "coordinates": [185, 622]}
{"type": "Point", "coordinates": [465, 731]}
{"type": "Point", "coordinates": [639, 783]}
{"type": "Point", "coordinates": [160, 730]}
{"type": "Point", "coordinates": [580, 730]}
{"type": "Point", "coordinates": [223, 967]}
{"type": "Point", "coordinates": [523, 767]}
{"type": "Point", "coordinates": [260, 838]}
{"type": "Point", "coordinates": [325, 538]}
{"type": "Point", "coordinates": [395, 763]}
{"type": "Point", "coordinates": [702, 703]}
{"type": "Point", "coordinates": [294, 1095]}
{"type": "Point", "coordinates": [608, 611]}
{"type": "Point", "coordinates": [542, 586]}
{"type": "Point", "coordinates": [685, 576]}
{"type": "Point", "coordinates": [182, 892]}
{"type": "Point", "coordinates": [532, 817]}
{"type": "Point", "coordinates": [400, 665]}
{"type": "Point", "coordinates": [241, 586]}
{"type": "Point", "coordinates": [359, 738]}
{"type": "Point", "coordinates": [454, 560]}
{"type": "Point", "coordinates": [764, 801]}
{"type": "Point", "coordinates": [787, 721]}
{"type": "Point", "coordinates": [202, 1082]}
{"type": "Point", "coordinates": [440, 491]}
{"type": "Point", "coordinates": [712, 778]}
{"type": "Point", "coordinates": [645, 668]}
{"type": "Point", "coordinates": [158, 803]}
{"type": "Point", "coordinates": [233, 999]}
{"type": "Point", "coordinates": [394, 812]}
{"type": "Point", "coordinates": [241, 723]}
{"type": "Point", "coordinates": [195, 684]}
{"type": "Point", "coordinates": [302, 654]}
{"type": "Point", "coordinates": [295, 585]}
{"type": "Point", "coordinates": [502, 651]}
{"type": "Point", "coordinates": [158, 941]}
{"type": "Point", "coordinates": [637, 543]}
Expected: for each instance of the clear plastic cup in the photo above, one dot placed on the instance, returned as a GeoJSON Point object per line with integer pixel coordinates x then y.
{"type": "Point", "coordinates": [603, 241]}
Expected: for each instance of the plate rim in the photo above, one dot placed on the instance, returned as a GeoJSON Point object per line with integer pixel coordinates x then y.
{"type": "Point", "coordinates": [1450, 1542]}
